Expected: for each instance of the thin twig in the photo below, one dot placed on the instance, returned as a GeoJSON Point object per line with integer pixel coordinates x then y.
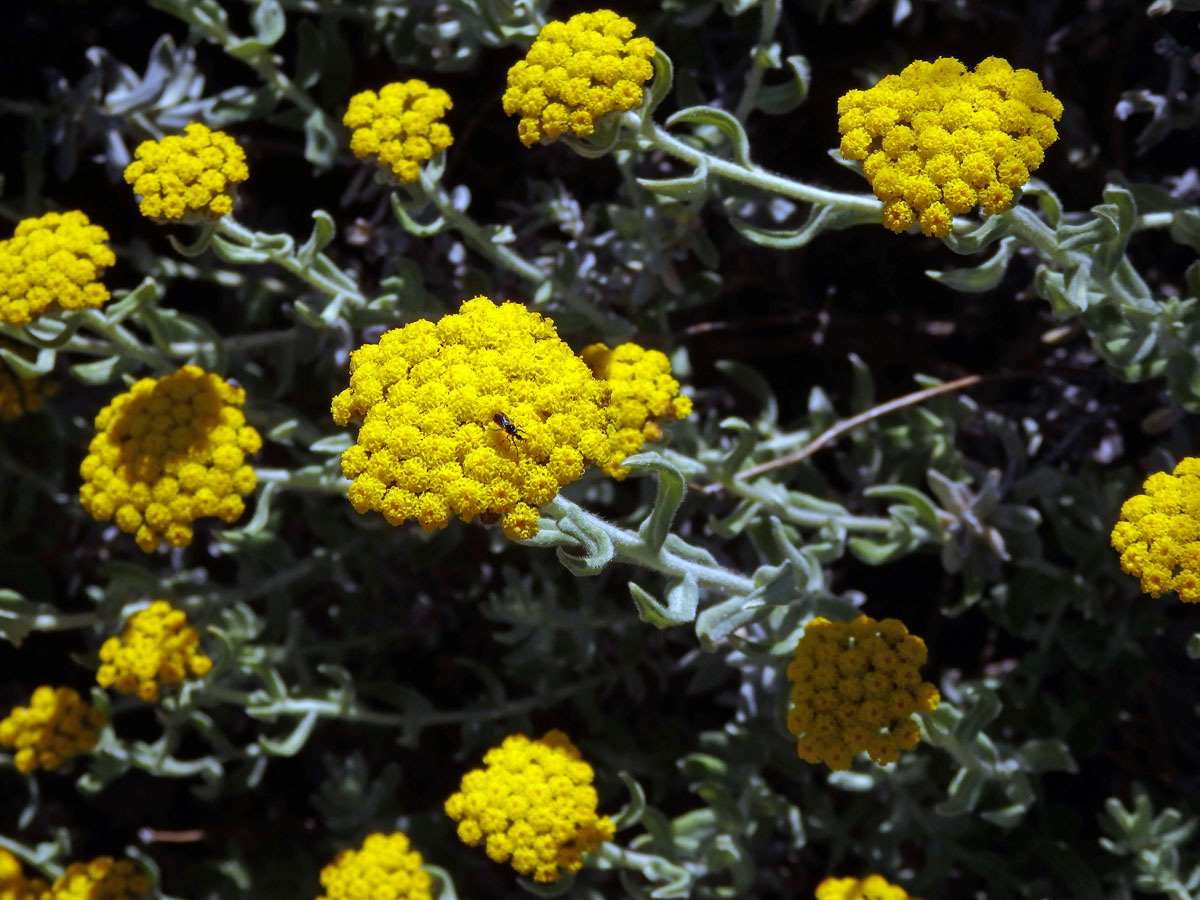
{"type": "Point", "coordinates": [831, 434]}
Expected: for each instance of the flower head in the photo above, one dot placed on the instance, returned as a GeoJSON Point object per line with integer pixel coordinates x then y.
{"type": "Point", "coordinates": [399, 126]}
{"type": "Point", "coordinates": [1158, 533]}
{"type": "Point", "coordinates": [643, 395]}
{"type": "Point", "coordinates": [386, 862]}
{"type": "Point", "coordinates": [52, 262]}
{"type": "Point", "coordinates": [855, 688]}
{"type": "Point", "coordinates": [532, 802]}
{"type": "Point", "coordinates": [936, 140]}
{"type": "Point", "coordinates": [57, 725]}
{"type": "Point", "coordinates": [14, 885]}
{"type": "Point", "coordinates": [577, 72]}
{"type": "Point", "coordinates": [158, 648]}
{"type": "Point", "coordinates": [19, 396]}
{"type": "Point", "coordinates": [167, 452]}
{"type": "Point", "coordinates": [189, 176]}
{"type": "Point", "coordinates": [484, 413]}
{"type": "Point", "coordinates": [873, 887]}
{"type": "Point", "coordinates": [101, 879]}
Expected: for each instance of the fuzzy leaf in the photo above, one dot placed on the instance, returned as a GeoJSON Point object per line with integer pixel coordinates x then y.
{"type": "Point", "coordinates": [269, 21]}
{"type": "Point", "coordinates": [720, 119]}
{"type": "Point", "coordinates": [982, 277]}
{"type": "Point", "coordinates": [685, 187]}
{"type": "Point", "coordinates": [780, 99]}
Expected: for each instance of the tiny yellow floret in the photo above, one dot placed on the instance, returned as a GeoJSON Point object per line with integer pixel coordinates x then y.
{"type": "Point", "coordinates": [14, 885]}
{"type": "Point", "coordinates": [873, 887]}
{"type": "Point", "coordinates": [157, 649]}
{"type": "Point", "coordinates": [644, 395]}
{"type": "Point", "coordinates": [532, 804]}
{"type": "Point", "coordinates": [855, 686]}
{"type": "Point", "coordinates": [167, 452]}
{"type": "Point", "coordinates": [400, 126]}
{"type": "Point", "coordinates": [57, 725]}
{"type": "Point", "coordinates": [188, 177]}
{"type": "Point", "coordinates": [936, 140]}
{"type": "Point", "coordinates": [484, 413]}
{"type": "Point", "coordinates": [577, 72]}
{"type": "Point", "coordinates": [386, 863]}
{"type": "Point", "coordinates": [52, 263]}
{"type": "Point", "coordinates": [1158, 533]}
{"type": "Point", "coordinates": [101, 879]}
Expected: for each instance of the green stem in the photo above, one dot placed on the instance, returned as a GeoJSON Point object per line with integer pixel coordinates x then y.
{"type": "Point", "coordinates": [262, 62]}
{"type": "Point", "coordinates": [239, 343]}
{"type": "Point", "coordinates": [474, 235]}
{"type": "Point", "coordinates": [610, 855]}
{"type": "Point", "coordinates": [330, 709]}
{"type": "Point", "coordinates": [630, 547]}
{"type": "Point", "coordinates": [53, 870]}
{"type": "Point", "coordinates": [806, 518]}
{"type": "Point", "coordinates": [301, 706]}
{"type": "Point", "coordinates": [661, 139]}
{"type": "Point", "coordinates": [314, 479]}
{"type": "Point", "coordinates": [766, 36]}
{"type": "Point", "coordinates": [1041, 237]}
{"type": "Point", "coordinates": [121, 338]}
{"type": "Point", "coordinates": [322, 273]}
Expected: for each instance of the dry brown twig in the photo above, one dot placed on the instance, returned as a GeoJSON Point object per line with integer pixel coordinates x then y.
{"type": "Point", "coordinates": [831, 434]}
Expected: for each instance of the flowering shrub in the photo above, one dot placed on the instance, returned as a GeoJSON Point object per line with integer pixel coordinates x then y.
{"type": "Point", "coordinates": [167, 452]}
{"type": "Point", "coordinates": [57, 725]}
{"type": "Point", "coordinates": [399, 126]}
{"type": "Point", "coordinates": [384, 865]}
{"type": "Point", "coordinates": [53, 261]}
{"type": "Point", "coordinates": [702, 561]}
{"type": "Point", "coordinates": [189, 175]}
{"type": "Point", "coordinates": [158, 648]}
{"type": "Point", "coordinates": [532, 803]}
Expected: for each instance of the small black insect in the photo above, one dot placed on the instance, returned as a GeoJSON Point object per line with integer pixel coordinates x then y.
{"type": "Point", "coordinates": [507, 426]}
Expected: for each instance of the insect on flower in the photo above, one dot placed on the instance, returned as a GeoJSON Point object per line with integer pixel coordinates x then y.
{"type": "Point", "coordinates": [507, 426]}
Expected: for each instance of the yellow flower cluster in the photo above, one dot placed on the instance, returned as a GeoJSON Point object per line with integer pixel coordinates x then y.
{"type": "Point", "coordinates": [399, 126]}
{"type": "Point", "coordinates": [855, 687]}
{"type": "Point", "coordinates": [532, 802]}
{"type": "Point", "coordinates": [643, 393]}
{"type": "Point", "coordinates": [57, 725]}
{"type": "Point", "coordinates": [22, 395]}
{"type": "Point", "coordinates": [936, 140]}
{"type": "Point", "coordinates": [54, 260]}
{"type": "Point", "coordinates": [14, 885]}
{"type": "Point", "coordinates": [873, 887]}
{"type": "Point", "coordinates": [385, 867]}
{"type": "Point", "coordinates": [1158, 533]}
{"type": "Point", "coordinates": [576, 72]}
{"type": "Point", "coordinates": [101, 879]}
{"type": "Point", "coordinates": [167, 452]}
{"type": "Point", "coordinates": [158, 648]}
{"type": "Point", "coordinates": [187, 176]}
{"type": "Point", "coordinates": [484, 413]}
